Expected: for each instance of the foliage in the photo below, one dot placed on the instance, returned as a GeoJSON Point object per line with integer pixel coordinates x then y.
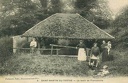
{"type": "Point", "coordinates": [5, 49]}
{"type": "Point", "coordinates": [118, 66]}
{"type": "Point", "coordinates": [96, 11]}
{"type": "Point", "coordinates": [122, 18]}
{"type": "Point", "coordinates": [90, 9]}
{"type": "Point", "coordinates": [121, 29]}
{"type": "Point", "coordinates": [5, 46]}
{"type": "Point", "coordinates": [18, 16]}
{"type": "Point", "coordinates": [26, 64]}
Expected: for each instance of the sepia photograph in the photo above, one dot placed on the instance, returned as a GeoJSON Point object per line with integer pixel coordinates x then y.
{"type": "Point", "coordinates": [63, 41]}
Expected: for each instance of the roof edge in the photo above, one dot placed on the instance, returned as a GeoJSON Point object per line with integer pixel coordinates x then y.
{"type": "Point", "coordinates": [97, 27]}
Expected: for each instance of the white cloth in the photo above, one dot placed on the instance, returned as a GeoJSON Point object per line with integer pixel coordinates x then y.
{"type": "Point", "coordinates": [109, 47]}
{"type": "Point", "coordinates": [33, 44]}
{"type": "Point", "coordinates": [94, 57]}
{"type": "Point", "coordinates": [82, 54]}
{"type": "Point", "coordinates": [103, 73]}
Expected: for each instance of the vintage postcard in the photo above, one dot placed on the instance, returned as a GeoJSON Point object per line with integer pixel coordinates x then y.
{"type": "Point", "coordinates": [63, 41]}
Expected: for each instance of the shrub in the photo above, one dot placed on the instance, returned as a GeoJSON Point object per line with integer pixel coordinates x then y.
{"type": "Point", "coordinates": [5, 48]}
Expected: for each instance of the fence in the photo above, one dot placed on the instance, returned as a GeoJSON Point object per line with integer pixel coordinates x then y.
{"type": "Point", "coordinates": [42, 51]}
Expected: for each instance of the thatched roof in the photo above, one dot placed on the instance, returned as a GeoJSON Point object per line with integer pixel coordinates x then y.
{"type": "Point", "coordinates": [71, 26]}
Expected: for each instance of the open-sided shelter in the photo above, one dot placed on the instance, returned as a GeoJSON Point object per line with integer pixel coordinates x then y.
{"type": "Point", "coordinates": [69, 26]}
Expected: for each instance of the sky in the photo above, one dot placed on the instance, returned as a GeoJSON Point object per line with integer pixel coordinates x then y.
{"type": "Point", "coordinates": [117, 5]}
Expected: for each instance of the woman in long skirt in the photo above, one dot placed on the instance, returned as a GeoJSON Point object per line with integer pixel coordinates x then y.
{"type": "Point", "coordinates": [81, 51]}
{"type": "Point", "coordinates": [104, 51]}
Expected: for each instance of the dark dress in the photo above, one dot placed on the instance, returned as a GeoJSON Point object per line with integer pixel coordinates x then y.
{"type": "Point", "coordinates": [95, 51]}
{"type": "Point", "coordinates": [81, 46]}
{"type": "Point", "coordinates": [104, 52]}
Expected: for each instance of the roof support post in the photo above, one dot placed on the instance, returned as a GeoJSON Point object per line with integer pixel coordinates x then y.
{"type": "Point", "coordinates": [57, 52]}
{"type": "Point", "coordinates": [38, 44]}
{"type": "Point", "coordinates": [51, 50]}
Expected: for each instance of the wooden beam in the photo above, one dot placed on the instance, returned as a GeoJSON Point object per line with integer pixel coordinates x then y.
{"type": "Point", "coordinates": [63, 46]}
{"type": "Point", "coordinates": [39, 49]}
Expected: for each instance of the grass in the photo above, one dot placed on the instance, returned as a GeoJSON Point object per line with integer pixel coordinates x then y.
{"type": "Point", "coordinates": [118, 66]}
{"type": "Point", "coordinates": [48, 65]}
{"type": "Point", "coordinates": [28, 64]}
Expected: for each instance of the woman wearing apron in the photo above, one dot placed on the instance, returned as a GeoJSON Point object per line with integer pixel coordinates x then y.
{"type": "Point", "coordinates": [81, 51]}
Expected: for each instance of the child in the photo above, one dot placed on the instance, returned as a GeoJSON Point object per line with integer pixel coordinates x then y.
{"type": "Point", "coordinates": [104, 71]}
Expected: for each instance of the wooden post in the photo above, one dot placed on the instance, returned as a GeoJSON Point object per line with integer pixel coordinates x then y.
{"type": "Point", "coordinates": [51, 50]}
{"type": "Point", "coordinates": [14, 45]}
{"type": "Point", "coordinates": [57, 51]}
{"type": "Point", "coordinates": [38, 44]}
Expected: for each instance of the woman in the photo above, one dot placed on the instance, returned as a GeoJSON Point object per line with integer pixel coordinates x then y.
{"type": "Point", "coordinates": [104, 48]}
{"type": "Point", "coordinates": [33, 45]}
{"type": "Point", "coordinates": [81, 51]}
{"type": "Point", "coordinates": [95, 51]}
